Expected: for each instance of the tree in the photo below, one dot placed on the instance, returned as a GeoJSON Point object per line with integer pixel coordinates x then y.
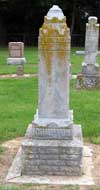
{"type": "Point", "coordinates": [26, 16]}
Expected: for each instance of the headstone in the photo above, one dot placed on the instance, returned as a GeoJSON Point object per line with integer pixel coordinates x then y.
{"type": "Point", "coordinates": [80, 52]}
{"type": "Point", "coordinates": [53, 143]}
{"type": "Point", "coordinates": [20, 70]}
{"type": "Point", "coordinates": [90, 78]}
{"type": "Point", "coordinates": [83, 52]}
{"type": "Point", "coordinates": [16, 53]}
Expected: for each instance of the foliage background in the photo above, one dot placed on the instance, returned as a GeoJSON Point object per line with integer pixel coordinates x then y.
{"type": "Point", "coordinates": [20, 20]}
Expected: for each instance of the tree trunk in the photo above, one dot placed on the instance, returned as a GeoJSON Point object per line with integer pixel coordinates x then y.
{"type": "Point", "coordinates": [73, 16]}
{"type": "Point", "coordinates": [98, 11]}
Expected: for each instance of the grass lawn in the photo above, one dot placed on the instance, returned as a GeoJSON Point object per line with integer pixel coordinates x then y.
{"type": "Point", "coordinates": [39, 187]}
{"type": "Point", "coordinates": [31, 54]}
{"type": "Point", "coordinates": [43, 187]}
{"type": "Point", "coordinates": [18, 99]}
{"type": "Point", "coordinates": [18, 103]}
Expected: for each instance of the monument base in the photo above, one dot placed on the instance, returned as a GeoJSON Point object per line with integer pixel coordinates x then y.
{"type": "Point", "coordinates": [44, 122]}
{"type": "Point", "coordinates": [88, 81]}
{"type": "Point", "coordinates": [15, 61]}
{"type": "Point", "coordinates": [14, 173]}
{"type": "Point", "coordinates": [54, 156]}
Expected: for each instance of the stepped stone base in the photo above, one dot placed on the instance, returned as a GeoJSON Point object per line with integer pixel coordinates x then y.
{"type": "Point", "coordinates": [88, 81]}
{"type": "Point", "coordinates": [58, 155]}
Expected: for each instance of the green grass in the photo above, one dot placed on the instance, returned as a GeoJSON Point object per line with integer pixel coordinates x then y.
{"type": "Point", "coordinates": [18, 103]}
{"type": "Point", "coordinates": [85, 104]}
{"type": "Point", "coordinates": [95, 140]}
{"type": "Point", "coordinates": [18, 99]}
{"type": "Point", "coordinates": [37, 187]}
{"type": "Point", "coordinates": [43, 187]}
{"type": "Point", "coordinates": [9, 188]}
{"type": "Point", "coordinates": [76, 60]}
{"type": "Point", "coordinates": [31, 54]}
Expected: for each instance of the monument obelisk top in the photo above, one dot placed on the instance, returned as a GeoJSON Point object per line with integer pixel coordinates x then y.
{"type": "Point", "coordinates": [55, 11]}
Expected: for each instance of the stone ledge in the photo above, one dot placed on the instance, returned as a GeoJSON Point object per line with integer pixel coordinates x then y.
{"type": "Point", "coordinates": [47, 133]}
{"type": "Point", "coordinates": [70, 133]}
{"type": "Point", "coordinates": [16, 61]}
{"type": "Point", "coordinates": [44, 122]}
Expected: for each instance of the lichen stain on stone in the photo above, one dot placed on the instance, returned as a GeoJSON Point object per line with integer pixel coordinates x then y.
{"type": "Point", "coordinates": [54, 20]}
{"type": "Point", "coordinates": [54, 36]}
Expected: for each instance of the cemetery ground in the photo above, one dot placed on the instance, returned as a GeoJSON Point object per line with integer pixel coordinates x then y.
{"type": "Point", "coordinates": [31, 55]}
{"type": "Point", "coordinates": [18, 103]}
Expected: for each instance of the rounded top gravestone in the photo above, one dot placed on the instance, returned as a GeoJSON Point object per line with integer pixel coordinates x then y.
{"type": "Point", "coordinates": [92, 20]}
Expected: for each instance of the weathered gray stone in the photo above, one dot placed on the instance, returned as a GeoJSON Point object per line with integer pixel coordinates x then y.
{"type": "Point", "coordinates": [88, 81]}
{"type": "Point", "coordinates": [49, 132]}
{"type": "Point", "coordinates": [55, 153]}
{"type": "Point", "coordinates": [53, 170]}
{"type": "Point", "coordinates": [53, 144]}
{"type": "Point", "coordinates": [54, 59]}
{"type": "Point", "coordinates": [90, 77]}
{"type": "Point", "coordinates": [70, 157]}
{"type": "Point", "coordinates": [16, 61]}
{"type": "Point", "coordinates": [83, 52]}
{"type": "Point", "coordinates": [15, 176]}
{"type": "Point", "coordinates": [36, 162]}
{"type": "Point", "coordinates": [49, 156]}
{"type": "Point", "coordinates": [64, 122]}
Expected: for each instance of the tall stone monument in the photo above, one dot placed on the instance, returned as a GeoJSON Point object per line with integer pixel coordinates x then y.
{"type": "Point", "coordinates": [53, 143]}
{"type": "Point", "coordinates": [90, 77]}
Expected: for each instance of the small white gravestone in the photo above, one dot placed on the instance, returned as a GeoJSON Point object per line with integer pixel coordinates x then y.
{"type": "Point", "coordinates": [16, 53]}
{"type": "Point", "coordinates": [90, 69]}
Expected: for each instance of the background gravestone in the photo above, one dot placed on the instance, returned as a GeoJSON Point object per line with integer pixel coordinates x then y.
{"type": "Point", "coordinates": [20, 70]}
{"type": "Point", "coordinates": [16, 56]}
{"type": "Point", "coordinates": [90, 77]}
{"type": "Point", "coordinates": [16, 53]}
{"type": "Point", "coordinates": [53, 143]}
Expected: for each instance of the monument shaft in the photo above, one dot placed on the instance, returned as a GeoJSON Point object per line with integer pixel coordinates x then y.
{"type": "Point", "coordinates": [54, 58]}
{"type": "Point", "coordinates": [91, 42]}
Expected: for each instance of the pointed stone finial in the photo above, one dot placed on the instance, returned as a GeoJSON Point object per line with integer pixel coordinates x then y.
{"type": "Point", "coordinates": [55, 11]}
